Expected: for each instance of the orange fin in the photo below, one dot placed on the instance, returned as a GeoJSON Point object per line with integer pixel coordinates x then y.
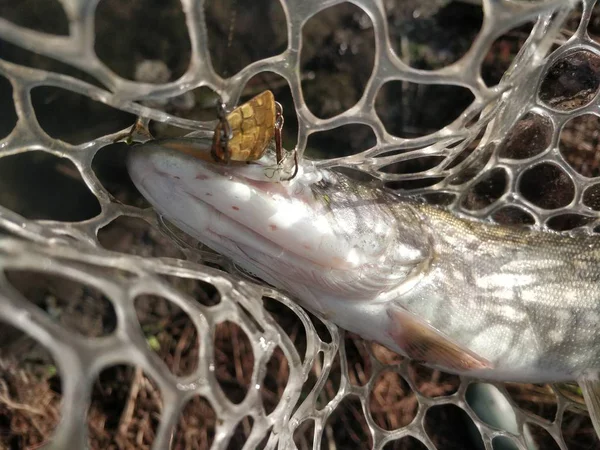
{"type": "Point", "coordinates": [421, 342]}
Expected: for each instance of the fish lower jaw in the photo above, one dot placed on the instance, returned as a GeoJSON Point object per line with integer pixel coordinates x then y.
{"type": "Point", "coordinates": [250, 250]}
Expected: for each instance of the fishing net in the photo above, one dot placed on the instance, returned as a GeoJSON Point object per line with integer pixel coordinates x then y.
{"type": "Point", "coordinates": [489, 109]}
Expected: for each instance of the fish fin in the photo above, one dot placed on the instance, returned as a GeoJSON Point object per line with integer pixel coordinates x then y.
{"type": "Point", "coordinates": [422, 342]}
{"type": "Point", "coordinates": [590, 387]}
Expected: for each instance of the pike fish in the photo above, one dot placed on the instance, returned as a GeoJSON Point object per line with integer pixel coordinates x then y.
{"type": "Point", "coordinates": [488, 301]}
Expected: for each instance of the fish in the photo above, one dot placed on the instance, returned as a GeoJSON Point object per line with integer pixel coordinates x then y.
{"type": "Point", "coordinates": [489, 301]}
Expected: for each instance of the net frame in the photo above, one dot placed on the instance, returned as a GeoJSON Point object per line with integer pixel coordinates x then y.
{"type": "Point", "coordinates": [40, 245]}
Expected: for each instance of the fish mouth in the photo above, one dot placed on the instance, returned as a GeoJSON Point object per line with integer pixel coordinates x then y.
{"type": "Point", "coordinates": [276, 264]}
{"type": "Point", "coordinates": [222, 205]}
{"type": "Point", "coordinates": [288, 216]}
{"type": "Point", "coordinates": [233, 238]}
{"type": "Point", "coordinates": [217, 229]}
{"type": "Point", "coordinates": [229, 233]}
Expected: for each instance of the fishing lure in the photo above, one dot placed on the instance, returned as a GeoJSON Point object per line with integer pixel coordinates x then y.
{"type": "Point", "coordinates": [244, 135]}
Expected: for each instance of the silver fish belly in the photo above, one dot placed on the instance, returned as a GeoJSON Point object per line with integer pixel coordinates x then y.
{"type": "Point", "coordinates": [472, 298]}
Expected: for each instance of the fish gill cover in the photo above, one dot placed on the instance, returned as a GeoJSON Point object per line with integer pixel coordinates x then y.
{"type": "Point", "coordinates": [120, 330]}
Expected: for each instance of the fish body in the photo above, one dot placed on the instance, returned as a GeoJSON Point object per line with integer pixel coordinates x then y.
{"type": "Point", "coordinates": [474, 298]}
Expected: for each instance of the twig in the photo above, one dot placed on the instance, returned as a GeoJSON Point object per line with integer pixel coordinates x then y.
{"type": "Point", "coordinates": [239, 371]}
{"type": "Point", "coordinates": [127, 414]}
{"type": "Point", "coordinates": [15, 405]}
{"type": "Point", "coordinates": [330, 438]}
{"type": "Point", "coordinates": [179, 348]}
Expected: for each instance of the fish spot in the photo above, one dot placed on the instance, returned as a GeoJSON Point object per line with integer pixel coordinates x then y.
{"type": "Point", "coordinates": [176, 177]}
{"type": "Point", "coordinates": [307, 247]}
{"type": "Point", "coordinates": [273, 227]}
{"type": "Point", "coordinates": [235, 208]}
{"type": "Point", "coordinates": [201, 177]}
{"type": "Point", "coordinates": [208, 194]}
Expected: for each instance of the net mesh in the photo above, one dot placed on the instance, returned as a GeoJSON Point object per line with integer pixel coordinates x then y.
{"type": "Point", "coordinates": [511, 155]}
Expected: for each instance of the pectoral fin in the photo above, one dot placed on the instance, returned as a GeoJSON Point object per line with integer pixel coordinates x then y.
{"type": "Point", "coordinates": [422, 342]}
{"type": "Point", "coordinates": [590, 386]}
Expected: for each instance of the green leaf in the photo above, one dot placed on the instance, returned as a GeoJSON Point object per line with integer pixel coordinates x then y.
{"type": "Point", "coordinates": [153, 343]}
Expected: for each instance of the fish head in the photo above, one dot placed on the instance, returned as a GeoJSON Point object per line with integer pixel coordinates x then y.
{"type": "Point", "coordinates": [320, 234]}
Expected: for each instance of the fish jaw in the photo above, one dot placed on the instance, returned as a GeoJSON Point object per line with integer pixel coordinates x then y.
{"type": "Point", "coordinates": [264, 216]}
{"type": "Point", "coordinates": [286, 233]}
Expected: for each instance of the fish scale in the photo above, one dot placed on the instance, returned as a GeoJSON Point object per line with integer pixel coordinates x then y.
{"type": "Point", "coordinates": [537, 274]}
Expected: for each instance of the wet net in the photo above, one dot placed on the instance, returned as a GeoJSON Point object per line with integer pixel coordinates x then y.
{"type": "Point", "coordinates": [119, 331]}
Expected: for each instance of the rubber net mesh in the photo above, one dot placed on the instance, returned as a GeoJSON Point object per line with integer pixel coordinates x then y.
{"type": "Point", "coordinates": [512, 154]}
